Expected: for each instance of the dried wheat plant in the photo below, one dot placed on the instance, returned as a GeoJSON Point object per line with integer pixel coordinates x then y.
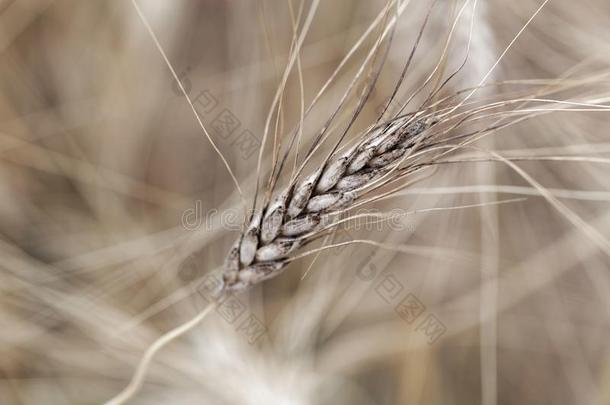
{"type": "Point", "coordinates": [423, 217]}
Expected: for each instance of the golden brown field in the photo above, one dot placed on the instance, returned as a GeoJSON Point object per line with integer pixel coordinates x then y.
{"type": "Point", "coordinates": [487, 283]}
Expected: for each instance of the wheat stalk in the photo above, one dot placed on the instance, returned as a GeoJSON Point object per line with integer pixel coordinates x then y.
{"type": "Point", "coordinates": [293, 218]}
{"type": "Point", "coordinates": [308, 208]}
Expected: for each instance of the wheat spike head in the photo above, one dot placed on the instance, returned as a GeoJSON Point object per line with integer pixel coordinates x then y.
{"type": "Point", "coordinates": [294, 217]}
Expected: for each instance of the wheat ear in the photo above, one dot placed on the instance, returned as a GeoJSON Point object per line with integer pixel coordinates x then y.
{"type": "Point", "coordinates": [294, 217]}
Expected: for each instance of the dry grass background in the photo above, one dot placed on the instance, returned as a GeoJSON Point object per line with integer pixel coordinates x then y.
{"type": "Point", "coordinates": [100, 157]}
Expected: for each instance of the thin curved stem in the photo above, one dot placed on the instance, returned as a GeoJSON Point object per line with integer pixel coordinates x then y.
{"type": "Point", "coordinates": [138, 377]}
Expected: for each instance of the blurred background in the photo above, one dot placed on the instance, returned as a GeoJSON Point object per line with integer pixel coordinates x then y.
{"type": "Point", "coordinates": [115, 209]}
